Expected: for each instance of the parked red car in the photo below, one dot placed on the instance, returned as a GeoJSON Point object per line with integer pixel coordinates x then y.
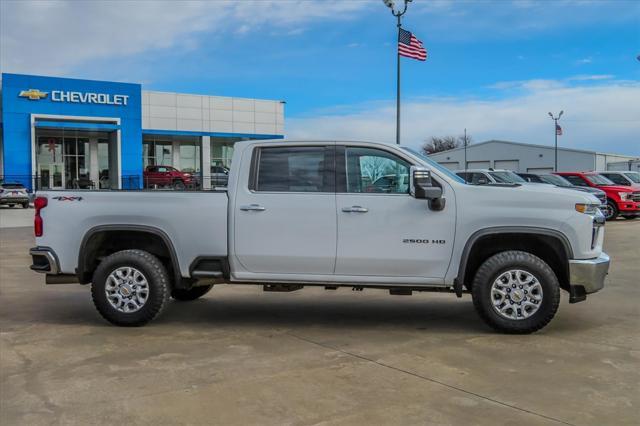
{"type": "Point", "coordinates": [166, 176]}
{"type": "Point", "coordinates": [622, 200]}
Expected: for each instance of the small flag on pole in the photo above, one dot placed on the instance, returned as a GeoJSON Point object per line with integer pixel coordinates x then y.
{"type": "Point", "coordinates": [558, 130]}
{"type": "Point", "coordinates": [410, 46]}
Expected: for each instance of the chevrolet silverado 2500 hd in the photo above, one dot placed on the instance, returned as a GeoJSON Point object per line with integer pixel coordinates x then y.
{"type": "Point", "coordinates": [299, 214]}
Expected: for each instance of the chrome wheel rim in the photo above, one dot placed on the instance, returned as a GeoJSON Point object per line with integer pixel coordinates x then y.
{"type": "Point", "coordinates": [516, 294]}
{"type": "Point", "coordinates": [127, 289]}
{"type": "Point", "coordinates": [608, 212]}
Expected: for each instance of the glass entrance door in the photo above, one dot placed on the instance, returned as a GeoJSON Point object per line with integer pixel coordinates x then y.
{"type": "Point", "coordinates": [51, 176]}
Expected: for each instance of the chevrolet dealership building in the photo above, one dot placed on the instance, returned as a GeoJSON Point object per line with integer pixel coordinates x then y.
{"type": "Point", "coordinates": [67, 133]}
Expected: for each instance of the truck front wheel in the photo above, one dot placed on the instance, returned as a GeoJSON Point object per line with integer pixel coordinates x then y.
{"type": "Point", "coordinates": [611, 210]}
{"type": "Point", "coordinates": [516, 292]}
{"type": "Point", "coordinates": [130, 287]}
{"type": "Point", "coordinates": [191, 294]}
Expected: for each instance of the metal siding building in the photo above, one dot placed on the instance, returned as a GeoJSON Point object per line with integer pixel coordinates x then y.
{"type": "Point", "coordinates": [522, 157]}
{"type": "Point", "coordinates": [61, 132]}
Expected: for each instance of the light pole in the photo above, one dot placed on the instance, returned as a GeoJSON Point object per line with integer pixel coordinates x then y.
{"type": "Point", "coordinates": [555, 132]}
{"type": "Point", "coordinates": [391, 4]}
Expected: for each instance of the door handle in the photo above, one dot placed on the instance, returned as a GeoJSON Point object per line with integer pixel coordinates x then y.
{"type": "Point", "coordinates": [253, 208]}
{"type": "Point", "coordinates": [355, 209]}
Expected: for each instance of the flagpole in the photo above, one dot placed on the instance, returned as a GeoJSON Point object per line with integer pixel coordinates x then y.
{"type": "Point", "coordinates": [398, 85]}
{"type": "Point", "coordinates": [398, 14]}
{"type": "Point", "coordinates": [555, 131]}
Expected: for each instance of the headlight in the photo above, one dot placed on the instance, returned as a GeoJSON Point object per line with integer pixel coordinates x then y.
{"type": "Point", "coordinates": [590, 209]}
{"type": "Point", "coordinates": [624, 195]}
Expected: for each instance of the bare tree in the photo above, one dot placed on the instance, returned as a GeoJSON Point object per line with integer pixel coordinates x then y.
{"type": "Point", "coordinates": [438, 144]}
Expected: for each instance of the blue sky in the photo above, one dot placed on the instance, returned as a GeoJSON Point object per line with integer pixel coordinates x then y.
{"type": "Point", "coordinates": [495, 67]}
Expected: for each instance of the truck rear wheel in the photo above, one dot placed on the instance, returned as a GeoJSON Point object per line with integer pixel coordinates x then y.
{"type": "Point", "coordinates": [516, 292]}
{"type": "Point", "coordinates": [191, 294]}
{"type": "Point", "coordinates": [130, 287]}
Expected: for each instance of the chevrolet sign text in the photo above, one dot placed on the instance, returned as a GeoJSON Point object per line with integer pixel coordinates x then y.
{"type": "Point", "coordinates": [88, 98]}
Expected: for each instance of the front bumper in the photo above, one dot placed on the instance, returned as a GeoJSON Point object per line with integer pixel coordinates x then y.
{"type": "Point", "coordinates": [629, 206]}
{"type": "Point", "coordinates": [587, 276]}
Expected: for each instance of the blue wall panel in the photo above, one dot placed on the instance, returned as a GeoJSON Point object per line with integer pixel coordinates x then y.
{"type": "Point", "coordinates": [16, 112]}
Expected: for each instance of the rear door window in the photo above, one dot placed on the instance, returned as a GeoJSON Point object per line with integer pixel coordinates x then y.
{"type": "Point", "coordinates": [295, 169]}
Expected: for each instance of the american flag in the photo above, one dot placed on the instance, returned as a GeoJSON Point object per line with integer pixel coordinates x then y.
{"type": "Point", "coordinates": [410, 46]}
{"type": "Point", "coordinates": [558, 130]}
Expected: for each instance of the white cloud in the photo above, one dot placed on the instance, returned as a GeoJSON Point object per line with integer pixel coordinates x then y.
{"type": "Point", "coordinates": [55, 37]}
{"type": "Point", "coordinates": [584, 77]}
{"type": "Point", "coordinates": [603, 118]}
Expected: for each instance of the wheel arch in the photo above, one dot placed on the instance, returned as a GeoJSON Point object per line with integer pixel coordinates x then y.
{"type": "Point", "coordinates": [90, 249]}
{"type": "Point", "coordinates": [487, 242]}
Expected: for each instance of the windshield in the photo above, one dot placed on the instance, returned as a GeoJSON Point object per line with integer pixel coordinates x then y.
{"type": "Point", "coordinates": [506, 177]}
{"type": "Point", "coordinates": [599, 180]}
{"type": "Point", "coordinates": [432, 163]}
{"type": "Point", "coordinates": [634, 176]}
{"type": "Point", "coordinates": [555, 180]}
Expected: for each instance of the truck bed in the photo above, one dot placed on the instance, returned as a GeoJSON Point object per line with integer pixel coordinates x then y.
{"type": "Point", "coordinates": [195, 222]}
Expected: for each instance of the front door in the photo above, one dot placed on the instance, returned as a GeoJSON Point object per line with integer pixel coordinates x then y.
{"type": "Point", "coordinates": [51, 176]}
{"type": "Point", "coordinates": [382, 230]}
{"type": "Point", "coordinates": [285, 218]}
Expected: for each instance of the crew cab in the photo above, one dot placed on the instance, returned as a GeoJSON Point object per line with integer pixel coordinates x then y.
{"type": "Point", "coordinates": [622, 200]}
{"type": "Point", "coordinates": [166, 176]}
{"type": "Point", "coordinates": [299, 214]}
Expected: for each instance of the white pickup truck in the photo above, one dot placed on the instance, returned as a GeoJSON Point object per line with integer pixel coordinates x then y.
{"type": "Point", "coordinates": [317, 213]}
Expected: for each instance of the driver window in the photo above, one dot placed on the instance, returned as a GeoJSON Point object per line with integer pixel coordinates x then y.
{"type": "Point", "coordinates": [375, 171]}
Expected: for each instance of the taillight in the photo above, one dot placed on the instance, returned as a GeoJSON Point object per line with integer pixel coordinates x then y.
{"type": "Point", "coordinates": [38, 227]}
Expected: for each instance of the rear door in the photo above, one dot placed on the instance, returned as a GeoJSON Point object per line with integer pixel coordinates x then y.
{"type": "Point", "coordinates": [382, 230]}
{"type": "Point", "coordinates": [285, 218]}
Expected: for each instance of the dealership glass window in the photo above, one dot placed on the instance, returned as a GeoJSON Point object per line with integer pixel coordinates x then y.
{"type": "Point", "coordinates": [49, 161]}
{"type": "Point", "coordinates": [190, 157]}
{"type": "Point", "coordinates": [222, 151]}
{"type": "Point", "coordinates": [104, 176]}
{"type": "Point", "coordinates": [76, 162]}
{"type": "Point", "coordinates": [375, 171]}
{"type": "Point", "coordinates": [157, 152]}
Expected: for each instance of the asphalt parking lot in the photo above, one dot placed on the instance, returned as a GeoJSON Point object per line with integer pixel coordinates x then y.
{"type": "Point", "coordinates": [242, 356]}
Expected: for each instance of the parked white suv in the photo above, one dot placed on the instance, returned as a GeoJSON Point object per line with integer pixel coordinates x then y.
{"type": "Point", "coordinates": [488, 176]}
{"type": "Point", "coordinates": [301, 214]}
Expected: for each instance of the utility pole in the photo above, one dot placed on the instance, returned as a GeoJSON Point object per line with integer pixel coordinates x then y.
{"type": "Point", "coordinates": [555, 132]}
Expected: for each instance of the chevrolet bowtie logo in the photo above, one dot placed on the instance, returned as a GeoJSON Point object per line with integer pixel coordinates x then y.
{"type": "Point", "coordinates": [33, 94]}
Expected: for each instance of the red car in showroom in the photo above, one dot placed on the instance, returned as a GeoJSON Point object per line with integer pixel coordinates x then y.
{"type": "Point", "coordinates": [167, 176]}
{"type": "Point", "coordinates": [622, 200]}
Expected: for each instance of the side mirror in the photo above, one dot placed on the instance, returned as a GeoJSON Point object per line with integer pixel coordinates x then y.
{"type": "Point", "coordinates": [422, 188]}
{"type": "Point", "coordinates": [483, 181]}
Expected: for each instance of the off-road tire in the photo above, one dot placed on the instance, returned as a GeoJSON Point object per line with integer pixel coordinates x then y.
{"type": "Point", "coordinates": [614, 210]}
{"type": "Point", "coordinates": [191, 294]}
{"type": "Point", "coordinates": [157, 278]}
{"type": "Point", "coordinates": [499, 263]}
